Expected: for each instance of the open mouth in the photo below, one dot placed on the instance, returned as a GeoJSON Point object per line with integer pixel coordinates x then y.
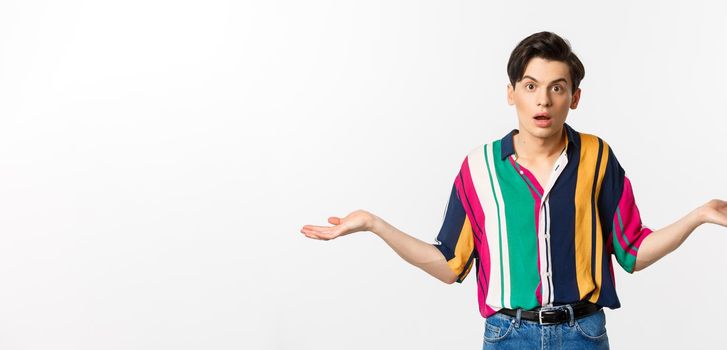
{"type": "Point", "coordinates": [543, 120]}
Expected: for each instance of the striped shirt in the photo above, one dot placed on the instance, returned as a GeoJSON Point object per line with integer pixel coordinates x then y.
{"type": "Point", "coordinates": [538, 244]}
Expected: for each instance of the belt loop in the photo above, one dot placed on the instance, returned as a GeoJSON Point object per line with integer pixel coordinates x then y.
{"type": "Point", "coordinates": [518, 318]}
{"type": "Point", "coordinates": [571, 315]}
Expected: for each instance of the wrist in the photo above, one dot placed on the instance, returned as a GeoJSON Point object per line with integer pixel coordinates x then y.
{"type": "Point", "coordinates": [700, 214]}
{"type": "Point", "coordinates": [373, 223]}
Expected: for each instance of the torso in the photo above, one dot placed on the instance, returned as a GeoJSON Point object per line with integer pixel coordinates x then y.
{"type": "Point", "coordinates": [541, 170]}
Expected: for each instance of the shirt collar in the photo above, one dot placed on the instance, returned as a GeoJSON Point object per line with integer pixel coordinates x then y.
{"type": "Point", "coordinates": [507, 147]}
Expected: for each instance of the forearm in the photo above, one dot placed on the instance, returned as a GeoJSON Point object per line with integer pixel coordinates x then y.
{"type": "Point", "coordinates": [416, 252]}
{"type": "Point", "coordinates": [663, 241]}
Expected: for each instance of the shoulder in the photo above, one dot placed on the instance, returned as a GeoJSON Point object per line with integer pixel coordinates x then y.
{"type": "Point", "coordinates": [602, 154]}
{"type": "Point", "coordinates": [596, 146]}
{"type": "Point", "coordinates": [474, 157]}
{"type": "Point", "coordinates": [583, 138]}
{"type": "Point", "coordinates": [483, 147]}
{"type": "Point", "coordinates": [479, 153]}
{"type": "Point", "coordinates": [477, 150]}
{"type": "Point", "coordinates": [593, 141]}
{"type": "Point", "coordinates": [596, 151]}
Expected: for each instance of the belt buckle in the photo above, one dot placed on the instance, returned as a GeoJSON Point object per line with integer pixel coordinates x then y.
{"type": "Point", "coordinates": [540, 317]}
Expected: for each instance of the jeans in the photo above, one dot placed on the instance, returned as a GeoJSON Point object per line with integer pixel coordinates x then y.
{"type": "Point", "coordinates": [507, 332]}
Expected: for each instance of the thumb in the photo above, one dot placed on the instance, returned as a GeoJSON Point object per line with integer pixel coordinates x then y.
{"type": "Point", "coordinates": [334, 220]}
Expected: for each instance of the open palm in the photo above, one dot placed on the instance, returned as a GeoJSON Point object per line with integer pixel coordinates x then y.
{"type": "Point", "coordinates": [358, 220]}
{"type": "Point", "coordinates": [715, 211]}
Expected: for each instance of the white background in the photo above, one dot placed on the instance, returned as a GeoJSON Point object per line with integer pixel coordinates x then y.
{"type": "Point", "coordinates": [158, 159]}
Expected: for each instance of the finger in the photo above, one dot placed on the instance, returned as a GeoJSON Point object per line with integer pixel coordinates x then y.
{"type": "Point", "coordinates": [323, 235]}
{"type": "Point", "coordinates": [311, 236]}
{"type": "Point", "coordinates": [317, 228]}
{"type": "Point", "coordinates": [334, 220]}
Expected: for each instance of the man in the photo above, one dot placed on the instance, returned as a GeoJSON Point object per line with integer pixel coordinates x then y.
{"type": "Point", "coordinates": [538, 213]}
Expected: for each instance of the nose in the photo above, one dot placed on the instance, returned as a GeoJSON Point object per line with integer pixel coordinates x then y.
{"type": "Point", "coordinates": [543, 98]}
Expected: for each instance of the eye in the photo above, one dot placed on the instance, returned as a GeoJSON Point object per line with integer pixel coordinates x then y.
{"type": "Point", "coordinates": [557, 88]}
{"type": "Point", "coordinates": [529, 86]}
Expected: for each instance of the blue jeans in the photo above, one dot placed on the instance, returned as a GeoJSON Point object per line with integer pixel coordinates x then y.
{"type": "Point", "coordinates": [507, 332]}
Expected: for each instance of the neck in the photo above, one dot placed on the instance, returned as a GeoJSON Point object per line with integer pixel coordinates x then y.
{"type": "Point", "coordinates": [529, 147]}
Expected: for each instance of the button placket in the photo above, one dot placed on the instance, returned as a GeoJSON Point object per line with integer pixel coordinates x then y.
{"type": "Point", "coordinates": [559, 166]}
{"type": "Point", "coordinates": [545, 231]}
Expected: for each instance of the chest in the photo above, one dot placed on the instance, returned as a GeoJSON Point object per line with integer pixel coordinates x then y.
{"type": "Point", "coordinates": [542, 171]}
{"type": "Point", "coordinates": [543, 175]}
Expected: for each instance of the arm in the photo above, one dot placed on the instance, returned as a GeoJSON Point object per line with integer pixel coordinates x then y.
{"type": "Point", "coordinates": [662, 242]}
{"type": "Point", "coordinates": [416, 252]}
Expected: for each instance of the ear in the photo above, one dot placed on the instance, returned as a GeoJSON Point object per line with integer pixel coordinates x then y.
{"type": "Point", "coordinates": [510, 97]}
{"type": "Point", "coordinates": [576, 97]}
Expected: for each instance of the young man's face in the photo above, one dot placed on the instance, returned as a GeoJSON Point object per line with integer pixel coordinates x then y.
{"type": "Point", "coordinates": [544, 88]}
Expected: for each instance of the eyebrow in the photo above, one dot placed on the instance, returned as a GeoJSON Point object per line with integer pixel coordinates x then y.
{"type": "Point", "coordinates": [554, 81]}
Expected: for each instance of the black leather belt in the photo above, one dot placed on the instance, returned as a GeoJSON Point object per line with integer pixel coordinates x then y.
{"type": "Point", "coordinates": [554, 315]}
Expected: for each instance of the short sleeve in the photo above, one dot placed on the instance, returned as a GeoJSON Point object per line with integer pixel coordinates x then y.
{"type": "Point", "coordinates": [628, 230]}
{"type": "Point", "coordinates": [620, 215]}
{"type": "Point", "coordinates": [455, 239]}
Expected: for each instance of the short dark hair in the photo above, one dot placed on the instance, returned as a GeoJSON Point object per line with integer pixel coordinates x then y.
{"type": "Point", "coordinates": [549, 46]}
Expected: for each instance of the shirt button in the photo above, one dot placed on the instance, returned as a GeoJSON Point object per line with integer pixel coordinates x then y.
{"type": "Point", "coordinates": [521, 172]}
{"type": "Point", "coordinates": [547, 274]}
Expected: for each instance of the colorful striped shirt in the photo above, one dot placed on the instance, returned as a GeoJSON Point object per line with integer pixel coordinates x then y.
{"type": "Point", "coordinates": [535, 245]}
